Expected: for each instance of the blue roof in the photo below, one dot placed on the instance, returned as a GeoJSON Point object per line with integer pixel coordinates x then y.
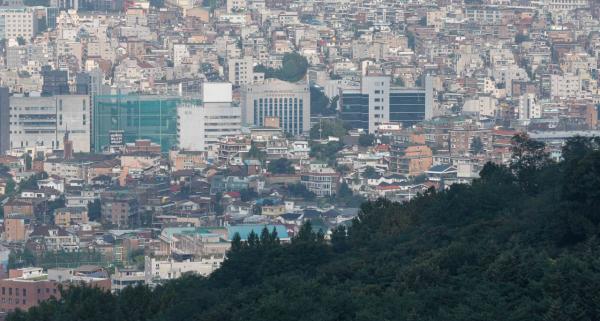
{"type": "Point", "coordinates": [245, 230]}
{"type": "Point", "coordinates": [268, 201]}
{"type": "Point", "coordinates": [204, 231]}
{"type": "Point", "coordinates": [441, 168]}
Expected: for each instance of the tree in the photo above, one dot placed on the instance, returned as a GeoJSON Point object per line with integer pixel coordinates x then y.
{"type": "Point", "coordinates": [520, 38]}
{"type": "Point", "coordinates": [293, 69]}
{"type": "Point", "coordinates": [21, 258]}
{"type": "Point", "coordinates": [31, 182]}
{"type": "Point", "coordinates": [477, 145]}
{"type": "Point", "coordinates": [339, 239]}
{"type": "Point", "coordinates": [95, 210]}
{"type": "Point", "coordinates": [366, 140]}
{"type": "Point", "coordinates": [529, 156]}
{"type": "Point", "coordinates": [247, 195]}
{"type": "Point", "coordinates": [411, 40]}
{"type": "Point", "coordinates": [236, 243]}
{"type": "Point", "coordinates": [326, 128]}
{"type": "Point", "coordinates": [319, 103]}
{"type": "Point", "coordinates": [370, 172]}
{"type": "Point", "coordinates": [10, 186]}
{"type": "Point", "coordinates": [342, 169]}
{"type": "Point", "coordinates": [345, 197]}
{"type": "Point", "coordinates": [256, 153]}
{"type": "Point", "coordinates": [281, 166]}
{"type": "Point", "coordinates": [299, 190]}
{"type": "Point", "coordinates": [305, 234]}
{"type": "Point", "coordinates": [28, 161]}
{"type": "Point", "coordinates": [326, 152]}
{"type": "Point", "coordinates": [253, 240]}
{"type": "Point", "coordinates": [21, 41]}
{"type": "Point", "coordinates": [398, 81]}
{"type": "Point", "coordinates": [157, 3]}
{"type": "Point", "coordinates": [218, 207]}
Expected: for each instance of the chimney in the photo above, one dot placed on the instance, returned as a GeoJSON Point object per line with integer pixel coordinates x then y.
{"type": "Point", "coordinates": [68, 147]}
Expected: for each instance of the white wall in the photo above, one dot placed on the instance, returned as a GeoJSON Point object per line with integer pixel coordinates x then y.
{"type": "Point", "coordinates": [216, 92]}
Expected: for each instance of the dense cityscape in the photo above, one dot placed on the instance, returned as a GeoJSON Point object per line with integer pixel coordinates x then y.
{"type": "Point", "coordinates": [144, 141]}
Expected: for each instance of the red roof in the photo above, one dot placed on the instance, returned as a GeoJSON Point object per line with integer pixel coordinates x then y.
{"type": "Point", "coordinates": [388, 187]}
{"type": "Point", "coordinates": [507, 132]}
{"type": "Point", "coordinates": [383, 147]}
{"type": "Point", "coordinates": [234, 194]}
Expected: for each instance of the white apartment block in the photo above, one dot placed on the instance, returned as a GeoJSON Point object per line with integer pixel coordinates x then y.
{"type": "Point", "coordinates": [17, 22]}
{"type": "Point", "coordinates": [482, 105]}
{"type": "Point", "coordinates": [241, 71]}
{"type": "Point", "coordinates": [565, 5]}
{"type": "Point", "coordinates": [235, 5]}
{"type": "Point", "coordinates": [43, 121]}
{"type": "Point", "coordinates": [563, 86]}
{"type": "Point", "coordinates": [529, 107]}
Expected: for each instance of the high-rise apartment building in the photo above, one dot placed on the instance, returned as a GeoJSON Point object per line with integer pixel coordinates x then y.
{"type": "Point", "coordinates": [290, 102]}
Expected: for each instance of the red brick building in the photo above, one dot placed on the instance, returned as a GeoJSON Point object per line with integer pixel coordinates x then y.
{"type": "Point", "coordinates": [26, 288]}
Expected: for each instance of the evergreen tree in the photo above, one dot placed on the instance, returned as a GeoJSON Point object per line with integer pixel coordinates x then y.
{"type": "Point", "coordinates": [236, 242]}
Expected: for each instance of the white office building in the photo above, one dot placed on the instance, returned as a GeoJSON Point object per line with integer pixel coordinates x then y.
{"type": "Point", "coordinates": [17, 23]}
{"type": "Point", "coordinates": [290, 102]}
{"type": "Point", "coordinates": [156, 271]}
{"type": "Point", "coordinates": [43, 121]}
{"type": "Point", "coordinates": [375, 102]}
{"type": "Point", "coordinates": [199, 126]}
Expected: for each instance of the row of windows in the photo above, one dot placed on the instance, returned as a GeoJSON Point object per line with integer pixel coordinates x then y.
{"type": "Point", "coordinates": [10, 301]}
{"type": "Point", "coordinates": [289, 111]}
{"type": "Point", "coordinates": [18, 291]}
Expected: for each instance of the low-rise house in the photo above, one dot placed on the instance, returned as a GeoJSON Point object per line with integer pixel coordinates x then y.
{"type": "Point", "coordinates": [68, 216]}
{"type": "Point", "coordinates": [54, 238]}
{"type": "Point", "coordinates": [53, 183]}
{"type": "Point", "coordinates": [124, 277]}
{"type": "Point", "coordinates": [320, 179]}
{"type": "Point", "coordinates": [16, 227]}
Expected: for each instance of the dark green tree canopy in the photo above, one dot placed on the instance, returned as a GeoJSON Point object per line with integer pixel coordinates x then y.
{"type": "Point", "coordinates": [281, 166]}
{"type": "Point", "coordinates": [293, 69]}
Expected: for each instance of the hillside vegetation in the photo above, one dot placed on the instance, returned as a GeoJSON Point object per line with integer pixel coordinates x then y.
{"type": "Point", "coordinates": [521, 243]}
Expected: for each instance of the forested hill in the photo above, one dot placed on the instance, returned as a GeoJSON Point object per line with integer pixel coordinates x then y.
{"type": "Point", "coordinates": [521, 243]}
